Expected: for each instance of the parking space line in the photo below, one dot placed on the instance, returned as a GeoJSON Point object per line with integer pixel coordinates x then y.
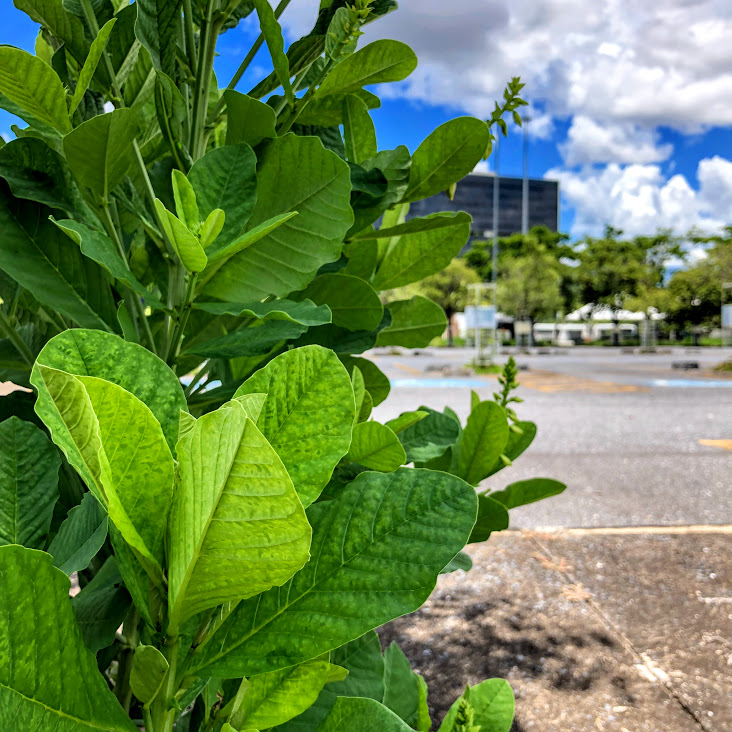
{"type": "Point", "coordinates": [723, 444]}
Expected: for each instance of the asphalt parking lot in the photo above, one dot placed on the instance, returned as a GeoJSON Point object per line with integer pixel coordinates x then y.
{"type": "Point", "coordinates": [637, 442]}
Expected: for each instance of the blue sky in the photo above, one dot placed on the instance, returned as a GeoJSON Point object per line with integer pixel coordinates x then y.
{"type": "Point", "coordinates": [631, 104]}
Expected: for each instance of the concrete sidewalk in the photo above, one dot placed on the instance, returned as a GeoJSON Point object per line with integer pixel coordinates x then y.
{"type": "Point", "coordinates": [609, 630]}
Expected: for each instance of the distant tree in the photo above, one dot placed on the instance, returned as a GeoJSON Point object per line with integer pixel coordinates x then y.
{"type": "Point", "coordinates": [612, 270]}
{"type": "Point", "coordinates": [448, 288]}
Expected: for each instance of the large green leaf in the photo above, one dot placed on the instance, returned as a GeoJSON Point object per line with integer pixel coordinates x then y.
{"type": "Point", "coordinates": [447, 156]}
{"type": "Point", "coordinates": [112, 437]}
{"type": "Point", "coordinates": [308, 415]}
{"type": "Point", "coordinates": [45, 261]}
{"type": "Point", "coordinates": [354, 303]}
{"type": "Point", "coordinates": [249, 341]}
{"type": "Point", "coordinates": [401, 686]}
{"type": "Point", "coordinates": [377, 549]}
{"type": "Point", "coordinates": [289, 257]}
{"type": "Point", "coordinates": [29, 467]}
{"type": "Point", "coordinates": [414, 323]}
{"type": "Point", "coordinates": [80, 536]}
{"type": "Point", "coordinates": [248, 120]}
{"type": "Point", "coordinates": [34, 87]}
{"type": "Point", "coordinates": [63, 25]}
{"type": "Point", "coordinates": [36, 172]}
{"type": "Point", "coordinates": [365, 665]}
{"type": "Point", "coordinates": [379, 62]}
{"type": "Point", "coordinates": [527, 491]}
{"type": "Point", "coordinates": [99, 247]}
{"type": "Point", "coordinates": [429, 437]}
{"type": "Point", "coordinates": [415, 256]}
{"type": "Point", "coordinates": [305, 312]}
{"type": "Point", "coordinates": [483, 441]}
{"type": "Point", "coordinates": [492, 516]}
{"type": "Point", "coordinates": [148, 673]}
{"type": "Point", "coordinates": [376, 447]}
{"type": "Point", "coordinates": [237, 526]}
{"type": "Point", "coordinates": [99, 151]}
{"type": "Point", "coordinates": [350, 713]}
{"type": "Point", "coordinates": [275, 698]}
{"type": "Point", "coordinates": [48, 679]}
{"type": "Point", "coordinates": [134, 368]}
{"type": "Point", "coordinates": [358, 130]}
{"type": "Point", "coordinates": [492, 704]}
{"type": "Point", "coordinates": [376, 381]}
{"type": "Point", "coordinates": [157, 28]}
{"type": "Point", "coordinates": [226, 178]}
{"type": "Point", "coordinates": [517, 443]}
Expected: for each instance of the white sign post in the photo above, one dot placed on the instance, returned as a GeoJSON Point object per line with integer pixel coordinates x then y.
{"type": "Point", "coordinates": [481, 316]}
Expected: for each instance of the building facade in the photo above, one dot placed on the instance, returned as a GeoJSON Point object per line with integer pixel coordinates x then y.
{"type": "Point", "coordinates": [474, 194]}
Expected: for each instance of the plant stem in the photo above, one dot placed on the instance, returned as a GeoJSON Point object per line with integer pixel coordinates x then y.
{"type": "Point", "coordinates": [164, 711]}
{"type": "Point", "coordinates": [190, 38]}
{"type": "Point", "coordinates": [185, 311]}
{"type": "Point", "coordinates": [91, 19]}
{"type": "Point", "coordinates": [14, 337]}
{"type": "Point", "coordinates": [300, 104]}
{"type": "Point", "coordinates": [147, 718]}
{"type": "Point", "coordinates": [122, 689]}
{"type": "Point", "coordinates": [244, 65]}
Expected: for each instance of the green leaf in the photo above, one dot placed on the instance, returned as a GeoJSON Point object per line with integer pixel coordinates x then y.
{"type": "Point", "coordinates": [358, 130]}
{"type": "Point", "coordinates": [212, 227]}
{"type": "Point", "coordinates": [414, 323]}
{"type": "Point", "coordinates": [369, 713]}
{"type": "Point", "coordinates": [447, 156]}
{"type": "Point", "coordinates": [430, 437]}
{"type": "Point", "coordinates": [492, 516]}
{"type": "Point", "coordinates": [219, 253]}
{"type": "Point", "coordinates": [101, 607]}
{"type": "Point", "coordinates": [308, 415]}
{"type": "Point", "coordinates": [149, 668]}
{"type": "Point", "coordinates": [37, 173]}
{"type": "Point", "coordinates": [99, 247]}
{"type": "Point", "coordinates": [80, 536]}
{"type": "Point", "coordinates": [401, 693]}
{"type": "Point", "coordinates": [328, 111]}
{"type": "Point", "coordinates": [376, 447]}
{"type": "Point", "coordinates": [113, 438]}
{"type": "Point", "coordinates": [375, 557]}
{"type": "Point", "coordinates": [43, 260]}
{"type": "Point", "coordinates": [226, 178]}
{"type": "Point", "coordinates": [359, 389]}
{"type": "Point", "coordinates": [354, 303]}
{"type": "Point", "coordinates": [441, 220]}
{"type": "Point", "coordinates": [460, 561]}
{"type": "Point", "coordinates": [362, 257]}
{"type": "Point", "coordinates": [247, 119]}
{"type": "Point", "coordinates": [379, 62]}
{"type": "Point", "coordinates": [275, 698]}
{"type": "Point", "coordinates": [249, 341]}
{"type": "Point", "coordinates": [157, 27]}
{"type": "Point", "coordinates": [527, 491]}
{"type": "Point", "coordinates": [375, 380]}
{"type": "Point", "coordinates": [415, 256]}
{"type": "Point", "coordinates": [492, 703]}
{"type": "Point", "coordinates": [288, 258]}
{"type": "Point", "coordinates": [90, 64]}
{"type": "Point", "coordinates": [134, 368]}
{"type": "Point", "coordinates": [186, 207]}
{"type": "Point", "coordinates": [99, 151]}
{"type": "Point", "coordinates": [29, 467]}
{"type": "Point", "coordinates": [483, 441]}
{"type": "Point", "coordinates": [34, 87]}
{"type": "Point", "coordinates": [305, 312]}
{"type": "Point", "coordinates": [405, 420]}
{"type": "Point", "coordinates": [185, 242]}
{"type": "Point", "coordinates": [517, 444]}
{"type": "Point", "coordinates": [275, 43]}
{"type": "Point", "coordinates": [235, 507]}
{"type": "Point", "coordinates": [48, 680]}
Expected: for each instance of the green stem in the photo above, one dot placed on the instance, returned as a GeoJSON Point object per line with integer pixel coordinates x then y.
{"type": "Point", "coordinates": [163, 707]}
{"type": "Point", "coordinates": [300, 104]}
{"type": "Point", "coordinates": [190, 38]}
{"type": "Point", "coordinates": [244, 65]}
{"type": "Point", "coordinates": [209, 32]}
{"type": "Point", "coordinates": [183, 320]}
{"type": "Point", "coordinates": [91, 19]}
{"type": "Point", "coordinates": [122, 689]}
{"type": "Point", "coordinates": [202, 372]}
{"type": "Point", "coordinates": [14, 337]}
{"type": "Point", "coordinates": [147, 719]}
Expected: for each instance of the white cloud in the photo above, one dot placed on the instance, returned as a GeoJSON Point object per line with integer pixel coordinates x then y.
{"type": "Point", "coordinates": [648, 63]}
{"type": "Point", "coordinates": [639, 200]}
{"type": "Point", "coordinates": [590, 142]}
{"type": "Point", "coordinates": [5, 136]}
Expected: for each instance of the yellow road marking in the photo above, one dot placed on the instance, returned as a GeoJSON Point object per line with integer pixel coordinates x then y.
{"type": "Point", "coordinates": [724, 444]}
{"type": "Point", "coordinates": [551, 382]}
{"type": "Point", "coordinates": [410, 369]}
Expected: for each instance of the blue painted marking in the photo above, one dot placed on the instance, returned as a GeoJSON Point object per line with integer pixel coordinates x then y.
{"type": "Point", "coordinates": [440, 384]}
{"type": "Point", "coordinates": [704, 383]}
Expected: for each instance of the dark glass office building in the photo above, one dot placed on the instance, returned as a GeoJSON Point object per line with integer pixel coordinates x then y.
{"type": "Point", "coordinates": [475, 195]}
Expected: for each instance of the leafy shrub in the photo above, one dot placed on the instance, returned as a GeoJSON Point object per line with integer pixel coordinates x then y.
{"type": "Point", "coordinates": [247, 526]}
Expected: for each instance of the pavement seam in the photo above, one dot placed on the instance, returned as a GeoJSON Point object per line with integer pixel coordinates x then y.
{"type": "Point", "coordinates": [642, 659]}
{"type": "Point", "coordinates": [630, 530]}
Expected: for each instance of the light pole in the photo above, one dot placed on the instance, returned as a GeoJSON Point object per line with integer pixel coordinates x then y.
{"type": "Point", "coordinates": [525, 182]}
{"type": "Point", "coordinates": [494, 253]}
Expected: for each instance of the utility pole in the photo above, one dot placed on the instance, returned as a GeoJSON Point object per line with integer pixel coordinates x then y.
{"type": "Point", "coordinates": [494, 254]}
{"type": "Point", "coordinates": [525, 182]}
